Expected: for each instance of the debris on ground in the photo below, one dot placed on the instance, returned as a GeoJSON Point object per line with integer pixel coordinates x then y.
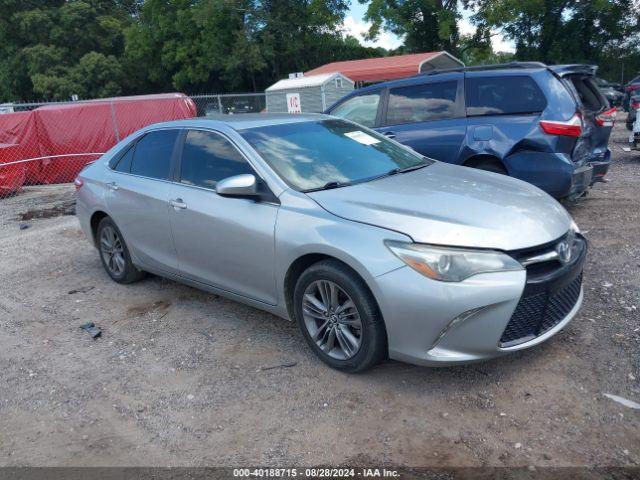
{"type": "Point", "coordinates": [81, 290]}
{"type": "Point", "coordinates": [623, 401]}
{"type": "Point", "coordinates": [24, 226]}
{"type": "Point", "coordinates": [64, 208]}
{"type": "Point", "coordinates": [282, 365]}
{"type": "Point", "coordinates": [91, 329]}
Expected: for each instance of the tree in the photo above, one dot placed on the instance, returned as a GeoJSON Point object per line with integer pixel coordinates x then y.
{"type": "Point", "coordinates": [427, 25]}
{"type": "Point", "coordinates": [52, 49]}
{"type": "Point", "coordinates": [563, 31]}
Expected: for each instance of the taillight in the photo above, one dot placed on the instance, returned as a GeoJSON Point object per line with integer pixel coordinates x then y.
{"type": "Point", "coordinates": [606, 119]}
{"type": "Point", "coordinates": [570, 128]}
{"type": "Point", "coordinates": [78, 183]}
{"type": "Point", "coordinates": [631, 88]}
{"type": "Point", "coordinates": [635, 105]}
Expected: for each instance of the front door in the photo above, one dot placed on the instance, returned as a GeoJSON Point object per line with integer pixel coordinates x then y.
{"type": "Point", "coordinates": [224, 242]}
{"type": "Point", "coordinates": [428, 117]}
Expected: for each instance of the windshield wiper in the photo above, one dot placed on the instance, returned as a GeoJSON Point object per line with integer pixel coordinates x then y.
{"type": "Point", "coordinates": [328, 186]}
{"type": "Point", "coordinates": [395, 171]}
{"type": "Point", "coordinates": [413, 167]}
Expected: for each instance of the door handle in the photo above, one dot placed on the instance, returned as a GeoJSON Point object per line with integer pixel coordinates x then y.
{"type": "Point", "coordinates": [389, 134]}
{"type": "Point", "coordinates": [112, 186]}
{"type": "Point", "coordinates": [178, 204]}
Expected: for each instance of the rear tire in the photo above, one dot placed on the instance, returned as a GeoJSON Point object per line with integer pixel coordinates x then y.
{"type": "Point", "coordinates": [339, 317]}
{"type": "Point", "coordinates": [114, 253]}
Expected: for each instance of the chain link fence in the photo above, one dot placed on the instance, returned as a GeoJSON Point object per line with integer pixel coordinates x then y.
{"type": "Point", "coordinates": [49, 143]}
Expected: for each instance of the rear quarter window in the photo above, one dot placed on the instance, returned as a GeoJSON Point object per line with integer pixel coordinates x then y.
{"type": "Point", "coordinates": [503, 95]}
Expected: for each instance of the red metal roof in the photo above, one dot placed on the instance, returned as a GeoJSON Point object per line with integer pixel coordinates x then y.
{"type": "Point", "coordinates": [378, 69]}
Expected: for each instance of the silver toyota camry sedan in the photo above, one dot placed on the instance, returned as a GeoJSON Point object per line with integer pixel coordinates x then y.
{"type": "Point", "coordinates": [374, 250]}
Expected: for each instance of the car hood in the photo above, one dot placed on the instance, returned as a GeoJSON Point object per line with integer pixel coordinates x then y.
{"type": "Point", "coordinates": [451, 205]}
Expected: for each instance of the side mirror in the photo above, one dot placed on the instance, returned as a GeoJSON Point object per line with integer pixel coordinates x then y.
{"type": "Point", "coordinates": [244, 185]}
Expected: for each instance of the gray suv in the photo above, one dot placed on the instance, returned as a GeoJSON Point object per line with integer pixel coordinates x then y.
{"type": "Point", "coordinates": [374, 250]}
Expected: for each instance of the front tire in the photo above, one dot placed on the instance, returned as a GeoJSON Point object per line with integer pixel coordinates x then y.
{"type": "Point", "coordinates": [114, 253]}
{"type": "Point", "coordinates": [339, 317]}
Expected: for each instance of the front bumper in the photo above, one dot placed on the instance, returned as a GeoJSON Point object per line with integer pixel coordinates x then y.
{"type": "Point", "coordinates": [438, 323]}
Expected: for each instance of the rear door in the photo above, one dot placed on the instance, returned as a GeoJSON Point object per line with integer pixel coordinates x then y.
{"type": "Point", "coordinates": [138, 193]}
{"type": "Point", "coordinates": [597, 116]}
{"type": "Point", "coordinates": [428, 117]}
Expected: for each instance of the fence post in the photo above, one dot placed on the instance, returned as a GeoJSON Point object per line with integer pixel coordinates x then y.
{"type": "Point", "coordinates": [220, 104]}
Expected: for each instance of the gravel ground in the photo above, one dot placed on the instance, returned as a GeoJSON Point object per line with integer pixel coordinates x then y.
{"type": "Point", "coordinates": [182, 378]}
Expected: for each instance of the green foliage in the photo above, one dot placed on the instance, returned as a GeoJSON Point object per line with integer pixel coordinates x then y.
{"type": "Point", "coordinates": [565, 31]}
{"type": "Point", "coordinates": [52, 49]}
{"type": "Point", "coordinates": [427, 25]}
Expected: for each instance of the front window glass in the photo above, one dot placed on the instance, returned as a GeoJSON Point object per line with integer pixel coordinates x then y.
{"type": "Point", "coordinates": [208, 158]}
{"type": "Point", "coordinates": [310, 155]}
{"type": "Point", "coordinates": [362, 109]}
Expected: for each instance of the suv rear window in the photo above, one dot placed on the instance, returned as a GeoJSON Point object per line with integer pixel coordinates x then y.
{"type": "Point", "coordinates": [587, 91]}
{"type": "Point", "coordinates": [503, 95]}
{"type": "Point", "coordinates": [420, 103]}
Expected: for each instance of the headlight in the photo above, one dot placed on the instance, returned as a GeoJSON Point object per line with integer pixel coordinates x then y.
{"type": "Point", "coordinates": [574, 226]}
{"type": "Point", "coordinates": [451, 264]}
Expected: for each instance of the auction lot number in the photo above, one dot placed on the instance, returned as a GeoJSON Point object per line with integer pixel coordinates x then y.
{"type": "Point", "coordinates": [314, 473]}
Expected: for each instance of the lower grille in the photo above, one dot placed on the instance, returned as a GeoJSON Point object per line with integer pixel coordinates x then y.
{"type": "Point", "coordinates": [538, 313]}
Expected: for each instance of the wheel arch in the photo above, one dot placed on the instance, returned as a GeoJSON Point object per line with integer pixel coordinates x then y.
{"type": "Point", "coordinates": [303, 262]}
{"type": "Point", "coordinates": [94, 221]}
{"type": "Point", "coordinates": [475, 160]}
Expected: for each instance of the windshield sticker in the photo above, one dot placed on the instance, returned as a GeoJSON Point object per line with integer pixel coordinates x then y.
{"type": "Point", "coordinates": [361, 137]}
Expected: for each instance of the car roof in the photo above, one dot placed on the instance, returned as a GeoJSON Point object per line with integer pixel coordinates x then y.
{"type": "Point", "coordinates": [243, 121]}
{"type": "Point", "coordinates": [454, 73]}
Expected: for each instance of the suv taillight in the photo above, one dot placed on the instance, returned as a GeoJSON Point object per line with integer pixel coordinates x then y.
{"type": "Point", "coordinates": [635, 105]}
{"type": "Point", "coordinates": [570, 128]}
{"type": "Point", "coordinates": [606, 119]}
{"type": "Point", "coordinates": [631, 88]}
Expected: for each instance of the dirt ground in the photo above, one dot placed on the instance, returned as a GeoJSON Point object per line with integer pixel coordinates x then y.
{"type": "Point", "coordinates": [183, 378]}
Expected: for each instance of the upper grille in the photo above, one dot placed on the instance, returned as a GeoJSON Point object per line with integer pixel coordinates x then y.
{"type": "Point", "coordinates": [536, 314]}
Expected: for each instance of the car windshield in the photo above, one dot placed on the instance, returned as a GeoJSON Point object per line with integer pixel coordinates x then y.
{"type": "Point", "coordinates": [329, 153]}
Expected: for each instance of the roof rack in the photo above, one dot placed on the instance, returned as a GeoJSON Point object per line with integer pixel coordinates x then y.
{"type": "Point", "coordinates": [497, 66]}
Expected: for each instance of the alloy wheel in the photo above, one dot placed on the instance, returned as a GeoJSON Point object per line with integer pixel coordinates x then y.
{"type": "Point", "coordinates": [112, 250]}
{"type": "Point", "coordinates": [332, 319]}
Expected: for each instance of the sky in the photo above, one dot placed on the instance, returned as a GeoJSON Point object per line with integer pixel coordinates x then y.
{"type": "Point", "coordinates": [355, 25]}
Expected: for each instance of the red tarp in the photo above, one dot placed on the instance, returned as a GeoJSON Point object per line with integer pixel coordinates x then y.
{"type": "Point", "coordinates": [18, 140]}
{"type": "Point", "coordinates": [67, 133]}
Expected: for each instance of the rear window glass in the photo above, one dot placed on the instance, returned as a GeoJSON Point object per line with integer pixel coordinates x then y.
{"type": "Point", "coordinates": [420, 103]}
{"type": "Point", "coordinates": [503, 95]}
{"type": "Point", "coordinates": [587, 92]}
{"type": "Point", "coordinates": [152, 155]}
